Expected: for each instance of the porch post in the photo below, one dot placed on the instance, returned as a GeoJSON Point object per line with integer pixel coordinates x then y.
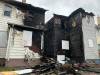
{"type": "Point", "coordinates": [42, 42]}
{"type": "Point", "coordinates": [9, 41]}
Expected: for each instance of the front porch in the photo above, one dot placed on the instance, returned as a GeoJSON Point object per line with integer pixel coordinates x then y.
{"type": "Point", "coordinates": [23, 50]}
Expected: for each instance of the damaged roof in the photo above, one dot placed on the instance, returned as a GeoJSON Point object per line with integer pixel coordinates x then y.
{"type": "Point", "coordinates": [61, 16]}
{"type": "Point", "coordinates": [82, 11]}
{"type": "Point", "coordinates": [23, 6]}
{"type": "Point", "coordinates": [79, 10]}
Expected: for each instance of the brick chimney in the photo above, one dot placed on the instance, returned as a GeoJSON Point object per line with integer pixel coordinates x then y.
{"type": "Point", "coordinates": [23, 1]}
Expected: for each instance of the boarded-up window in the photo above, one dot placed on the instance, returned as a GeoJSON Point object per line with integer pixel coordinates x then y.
{"type": "Point", "coordinates": [65, 44]}
{"type": "Point", "coordinates": [61, 58]}
{"type": "Point", "coordinates": [3, 39]}
{"type": "Point", "coordinates": [27, 36]}
{"type": "Point", "coordinates": [90, 41]}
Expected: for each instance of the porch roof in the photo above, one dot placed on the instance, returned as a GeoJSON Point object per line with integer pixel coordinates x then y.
{"type": "Point", "coordinates": [24, 27]}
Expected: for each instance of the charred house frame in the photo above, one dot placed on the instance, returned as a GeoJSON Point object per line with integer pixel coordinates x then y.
{"type": "Point", "coordinates": [66, 28]}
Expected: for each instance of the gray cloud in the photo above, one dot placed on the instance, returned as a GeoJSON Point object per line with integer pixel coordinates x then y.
{"type": "Point", "coordinates": [65, 7]}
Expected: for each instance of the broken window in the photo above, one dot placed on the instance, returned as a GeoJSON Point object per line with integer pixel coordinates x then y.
{"type": "Point", "coordinates": [3, 39]}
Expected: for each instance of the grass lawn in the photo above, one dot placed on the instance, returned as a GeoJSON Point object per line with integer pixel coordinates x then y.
{"type": "Point", "coordinates": [6, 69]}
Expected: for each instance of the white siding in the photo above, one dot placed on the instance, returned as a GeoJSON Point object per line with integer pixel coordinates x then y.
{"type": "Point", "coordinates": [13, 19]}
{"type": "Point", "coordinates": [2, 52]}
{"type": "Point", "coordinates": [16, 50]}
{"type": "Point", "coordinates": [89, 32]}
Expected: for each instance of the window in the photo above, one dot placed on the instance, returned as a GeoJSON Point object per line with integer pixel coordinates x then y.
{"type": "Point", "coordinates": [7, 10]}
{"type": "Point", "coordinates": [90, 42]}
{"type": "Point", "coordinates": [65, 44]}
{"type": "Point", "coordinates": [27, 36]}
{"type": "Point", "coordinates": [3, 39]}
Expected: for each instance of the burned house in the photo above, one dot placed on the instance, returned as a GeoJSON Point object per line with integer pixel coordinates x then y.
{"type": "Point", "coordinates": [78, 29]}
{"type": "Point", "coordinates": [57, 30]}
{"type": "Point", "coordinates": [83, 25]}
{"type": "Point", "coordinates": [21, 33]}
{"type": "Point", "coordinates": [76, 35]}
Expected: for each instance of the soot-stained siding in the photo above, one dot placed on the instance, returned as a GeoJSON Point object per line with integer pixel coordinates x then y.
{"type": "Point", "coordinates": [48, 39]}
{"type": "Point", "coordinates": [70, 28]}
{"type": "Point", "coordinates": [54, 35]}
{"type": "Point", "coordinates": [76, 38]}
{"type": "Point", "coordinates": [34, 19]}
{"type": "Point", "coordinates": [76, 34]}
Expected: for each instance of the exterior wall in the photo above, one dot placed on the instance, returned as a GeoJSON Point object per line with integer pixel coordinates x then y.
{"type": "Point", "coordinates": [23, 56]}
{"type": "Point", "coordinates": [13, 19]}
{"type": "Point", "coordinates": [76, 38]}
{"type": "Point", "coordinates": [98, 42]}
{"type": "Point", "coordinates": [98, 20]}
{"type": "Point", "coordinates": [89, 32]}
{"type": "Point", "coordinates": [17, 50]}
{"type": "Point", "coordinates": [35, 19]}
{"type": "Point", "coordinates": [48, 40]}
{"type": "Point", "coordinates": [98, 36]}
{"type": "Point", "coordinates": [60, 33]}
{"type": "Point", "coordinates": [54, 36]}
{"type": "Point", "coordinates": [2, 52]}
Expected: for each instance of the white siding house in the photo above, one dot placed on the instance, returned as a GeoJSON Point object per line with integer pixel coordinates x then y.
{"type": "Point", "coordinates": [97, 19]}
{"type": "Point", "coordinates": [11, 39]}
{"type": "Point", "coordinates": [89, 37]}
{"type": "Point", "coordinates": [4, 20]}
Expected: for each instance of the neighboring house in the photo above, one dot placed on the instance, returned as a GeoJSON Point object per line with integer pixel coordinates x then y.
{"type": "Point", "coordinates": [81, 34]}
{"type": "Point", "coordinates": [98, 33]}
{"type": "Point", "coordinates": [21, 32]}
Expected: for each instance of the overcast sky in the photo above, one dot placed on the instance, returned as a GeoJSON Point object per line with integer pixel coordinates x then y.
{"type": "Point", "coordinates": [66, 7]}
